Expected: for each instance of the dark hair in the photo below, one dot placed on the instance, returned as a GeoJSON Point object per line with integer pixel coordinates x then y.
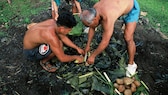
{"type": "Point", "coordinates": [66, 19]}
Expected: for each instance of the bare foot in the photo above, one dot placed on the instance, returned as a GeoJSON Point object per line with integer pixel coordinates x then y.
{"type": "Point", "coordinates": [48, 67]}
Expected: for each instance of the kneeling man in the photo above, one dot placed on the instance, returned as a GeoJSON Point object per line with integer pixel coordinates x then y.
{"type": "Point", "coordinates": [44, 40]}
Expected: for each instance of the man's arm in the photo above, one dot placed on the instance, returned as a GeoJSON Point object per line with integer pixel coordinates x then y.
{"type": "Point", "coordinates": [69, 43]}
{"type": "Point", "coordinates": [108, 26]}
{"type": "Point", "coordinates": [57, 48]}
{"type": "Point", "coordinates": [90, 37]}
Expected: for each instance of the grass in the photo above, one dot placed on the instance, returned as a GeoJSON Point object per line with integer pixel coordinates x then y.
{"type": "Point", "coordinates": [157, 13]}
{"type": "Point", "coordinates": [18, 12]}
{"type": "Point", "coordinates": [20, 9]}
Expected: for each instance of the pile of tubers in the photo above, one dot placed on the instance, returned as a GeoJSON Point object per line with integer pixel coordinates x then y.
{"type": "Point", "coordinates": [127, 85]}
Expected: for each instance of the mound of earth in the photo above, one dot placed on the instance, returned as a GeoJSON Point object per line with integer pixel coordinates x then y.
{"type": "Point", "coordinates": [19, 76]}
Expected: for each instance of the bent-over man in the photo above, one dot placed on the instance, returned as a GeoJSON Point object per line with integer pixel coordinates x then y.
{"type": "Point", "coordinates": [106, 12]}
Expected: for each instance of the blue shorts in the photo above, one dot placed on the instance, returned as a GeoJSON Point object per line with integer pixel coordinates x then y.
{"type": "Point", "coordinates": [58, 2]}
{"type": "Point", "coordinates": [133, 15]}
{"type": "Point", "coordinates": [37, 53]}
{"type": "Point", "coordinates": [79, 0]}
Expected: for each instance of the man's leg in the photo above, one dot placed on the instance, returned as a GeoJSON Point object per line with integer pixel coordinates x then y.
{"type": "Point", "coordinates": [46, 64]}
{"type": "Point", "coordinates": [74, 8]}
{"type": "Point", "coordinates": [48, 58]}
{"type": "Point", "coordinates": [45, 54]}
{"type": "Point", "coordinates": [129, 38]}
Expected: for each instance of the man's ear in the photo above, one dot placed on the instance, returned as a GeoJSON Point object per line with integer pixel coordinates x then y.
{"type": "Point", "coordinates": [94, 19]}
{"type": "Point", "coordinates": [62, 28]}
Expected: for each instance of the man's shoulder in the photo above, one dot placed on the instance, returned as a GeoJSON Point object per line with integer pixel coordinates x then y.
{"type": "Point", "coordinates": [50, 20]}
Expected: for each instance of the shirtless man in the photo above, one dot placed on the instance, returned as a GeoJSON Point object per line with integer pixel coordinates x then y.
{"type": "Point", "coordinates": [106, 12]}
{"type": "Point", "coordinates": [44, 40]}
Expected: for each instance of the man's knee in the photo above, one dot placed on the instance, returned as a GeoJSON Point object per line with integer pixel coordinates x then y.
{"type": "Point", "coordinates": [128, 39]}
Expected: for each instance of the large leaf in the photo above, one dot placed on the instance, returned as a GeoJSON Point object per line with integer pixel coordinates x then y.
{"type": "Point", "coordinates": [77, 30]}
{"type": "Point", "coordinates": [74, 81]}
{"type": "Point", "coordinates": [99, 86]}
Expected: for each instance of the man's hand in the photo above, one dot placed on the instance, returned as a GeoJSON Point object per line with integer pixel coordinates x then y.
{"type": "Point", "coordinates": [79, 59]}
{"type": "Point", "coordinates": [80, 51]}
{"type": "Point", "coordinates": [87, 49]}
{"type": "Point", "coordinates": [91, 60]}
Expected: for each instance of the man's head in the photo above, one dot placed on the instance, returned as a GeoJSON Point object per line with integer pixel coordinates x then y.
{"type": "Point", "coordinates": [66, 19]}
{"type": "Point", "coordinates": [66, 22]}
{"type": "Point", "coordinates": [88, 16]}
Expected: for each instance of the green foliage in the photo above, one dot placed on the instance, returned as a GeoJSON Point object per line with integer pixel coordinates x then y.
{"type": "Point", "coordinates": [27, 20]}
{"type": "Point", "coordinates": [77, 30]}
{"type": "Point", "coordinates": [21, 9]}
{"type": "Point", "coordinates": [157, 12]}
{"type": "Point", "coordinates": [94, 0]}
{"type": "Point", "coordinates": [3, 34]}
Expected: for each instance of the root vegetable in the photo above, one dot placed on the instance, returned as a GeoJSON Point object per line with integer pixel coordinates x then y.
{"type": "Point", "coordinates": [119, 81]}
{"type": "Point", "coordinates": [133, 87]}
{"type": "Point", "coordinates": [127, 86]}
{"type": "Point", "coordinates": [127, 80]}
{"type": "Point", "coordinates": [116, 85]}
{"type": "Point", "coordinates": [127, 92]}
{"type": "Point", "coordinates": [121, 88]}
{"type": "Point", "coordinates": [137, 83]}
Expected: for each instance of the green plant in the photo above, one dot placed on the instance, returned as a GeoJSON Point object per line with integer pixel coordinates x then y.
{"type": "Point", "coordinates": [156, 12]}
{"type": "Point", "coordinates": [3, 34]}
{"type": "Point", "coordinates": [77, 30]}
{"type": "Point", "coordinates": [21, 10]}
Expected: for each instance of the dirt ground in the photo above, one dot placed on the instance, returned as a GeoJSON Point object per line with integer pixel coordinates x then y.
{"type": "Point", "coordinates": [19, 76]}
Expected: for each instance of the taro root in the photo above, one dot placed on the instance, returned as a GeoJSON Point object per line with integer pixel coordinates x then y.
{"type": "Point", "coordinates": [127, 80]}
{"type": "Point", "coordinates": [137, 83]}
{"type": "Point", "coordinates": [119, 81]}
{"type": "Point", "coordinates": [116, 85]}
{"type": "Point", "coordinates": [121, 88]}
{"type": "Point", "coordinates": [127, 92]}
{"type": "Point", "coordinates": [133, 87]}
{"type": "Point", "coordinates": [128, 86]}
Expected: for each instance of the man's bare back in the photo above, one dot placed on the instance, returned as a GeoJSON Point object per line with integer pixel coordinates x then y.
{"type": "Point", "coordinates": [114, 8]}
{"type": "Point", "coordinates": [41, 32]}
